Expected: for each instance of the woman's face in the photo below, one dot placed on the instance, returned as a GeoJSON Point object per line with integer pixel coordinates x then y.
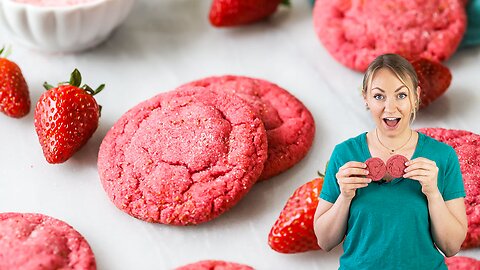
{"type": "Point", "coordinates": [389, 102]}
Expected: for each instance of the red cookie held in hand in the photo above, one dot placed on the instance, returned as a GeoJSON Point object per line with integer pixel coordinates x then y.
{"type": "Point", "coordinates": [396, 166]}
{"type": "Point", "coordinates": [376, 168]}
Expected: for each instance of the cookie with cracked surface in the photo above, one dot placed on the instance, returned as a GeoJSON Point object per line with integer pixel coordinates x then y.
{"type": "Point", "coordinates": [32, 241]}
{"type": "Point", "coordinates": [467, 147]}
{"type": "Point", "coordinates": [214, 265]}
{"type": "Point", "coordinates": [396, 165]}
{"type": "Point", "coordinates": [376, 168]}
{"type": "Point", "coordinates": [289, 124]}
{"type": "Point", "coordinates": [355, 32]}
{"type": "Point", "coordinates": [183, 157]}
{"type": "Point", "coordinates": [462, 263]}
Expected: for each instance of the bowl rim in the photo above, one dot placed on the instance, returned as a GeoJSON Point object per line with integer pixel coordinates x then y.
{"type": "Point", "coordinates": [91, 4]}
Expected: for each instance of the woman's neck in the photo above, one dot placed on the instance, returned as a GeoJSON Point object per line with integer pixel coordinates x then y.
{"type": "Point", "coordinates": [394, 142]}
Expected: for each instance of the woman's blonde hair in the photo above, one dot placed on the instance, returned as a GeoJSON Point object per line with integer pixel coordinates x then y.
{"type": "Point", "coordinates": [402, 69]}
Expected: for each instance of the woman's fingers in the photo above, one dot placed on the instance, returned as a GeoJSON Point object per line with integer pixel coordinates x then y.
{"type": "Point", "coordinates": [353, 164]}
{"type": "Point", "coordinates": [356, 180]}
{"type": "Point", "coordinates": [354, 171]}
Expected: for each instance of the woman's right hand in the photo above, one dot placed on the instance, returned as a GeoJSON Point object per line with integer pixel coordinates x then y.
{"type": "Point", "coordinates": [350, 177]}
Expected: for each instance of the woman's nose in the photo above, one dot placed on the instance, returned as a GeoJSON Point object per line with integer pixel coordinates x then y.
{"type": "Point", "coordinates": [390, 105]}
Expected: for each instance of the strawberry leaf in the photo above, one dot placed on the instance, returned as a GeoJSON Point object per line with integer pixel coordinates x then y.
{"type": "Point", "coordinates": [286, 3]}
{"type": "Point", "coordinates": [99, 89]}
{"type": "Point", "coordinates": [76, 78]}
{"type": "Point", "coordinates": [47, 86]}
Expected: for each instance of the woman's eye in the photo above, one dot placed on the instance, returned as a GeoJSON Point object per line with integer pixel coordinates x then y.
{"type": "Point", "coordinates": [402, 95]}
{"type": "Point", "coordinates": [378, 97]}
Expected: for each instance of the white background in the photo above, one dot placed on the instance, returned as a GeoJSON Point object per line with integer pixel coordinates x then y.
{"type": "Point", "coordinates": [161, 45]}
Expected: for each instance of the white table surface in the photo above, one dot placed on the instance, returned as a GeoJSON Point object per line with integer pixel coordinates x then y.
{"type": "Point", "coordinates": [164, 44]}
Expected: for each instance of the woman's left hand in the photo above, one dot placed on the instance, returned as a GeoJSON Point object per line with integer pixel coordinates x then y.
{"type": "Point", "coordinates": [424, 171]}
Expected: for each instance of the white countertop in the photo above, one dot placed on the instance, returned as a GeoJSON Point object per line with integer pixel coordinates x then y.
{"type": "Point", "coordinates": [167, 43]}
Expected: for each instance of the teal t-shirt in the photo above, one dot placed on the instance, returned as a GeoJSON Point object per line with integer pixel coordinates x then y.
{"type": "Point", "coordinates": [388, 225]}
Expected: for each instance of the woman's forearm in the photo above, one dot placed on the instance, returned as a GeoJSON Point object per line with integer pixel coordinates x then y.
{"type": "Point", "coordinates": [448, 232]}
{"type": "Point", "coordinates": [330, 227]}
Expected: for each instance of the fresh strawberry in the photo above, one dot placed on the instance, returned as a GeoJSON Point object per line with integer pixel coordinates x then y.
{"type": "Point", "coordinates": [434, 79]}
{"type": "Point", "coordinates": [238, 12]}
{"type": "Point", "coordinates": [293, 230]}
{"type": "Point", "coordinates": [14, 96]}
{"type": "Point", "coordinates": [66, 117]}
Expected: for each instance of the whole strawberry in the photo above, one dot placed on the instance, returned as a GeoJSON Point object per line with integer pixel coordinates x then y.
{"type": "Point", "coordinates": [433, 79]}
{"type": "Point", "coordinates": [238, 12]}
{"type": "Point", "coordinates": [293, 230]}
{"type": "Point", "coordinates": [14, 96]}
{"type": "Point", "coordinates": [66, 117]}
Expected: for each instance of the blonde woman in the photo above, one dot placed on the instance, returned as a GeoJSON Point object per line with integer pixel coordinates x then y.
{"type": "Point", "coordinates": [397, 223]}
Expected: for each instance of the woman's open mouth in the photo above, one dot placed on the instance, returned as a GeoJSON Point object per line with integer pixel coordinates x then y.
{"type": "Point", "coordinates": [391, 122]}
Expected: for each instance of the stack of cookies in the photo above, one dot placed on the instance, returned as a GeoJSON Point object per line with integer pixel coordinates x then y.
{"type": "Point", "coordinates": [187, 156]}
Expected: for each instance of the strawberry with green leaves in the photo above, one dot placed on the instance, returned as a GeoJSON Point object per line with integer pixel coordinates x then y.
{"type": "Point", "coordinates": [293, 230]}
{"type": "Point", "coordinates": [433, 79]}
{"type": "Point", "coordinates": [14, 96]}
{"type": "Point", "coordinates": [239, 12]}
{"type": "Point", "coordinates": [66, 117]}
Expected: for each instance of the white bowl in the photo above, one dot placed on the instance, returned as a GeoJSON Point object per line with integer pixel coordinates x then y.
{"type": "Point", "coordinates": [63, 28]}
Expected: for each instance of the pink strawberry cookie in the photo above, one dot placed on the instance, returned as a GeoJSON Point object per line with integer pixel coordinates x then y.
{"type": "Point", "coordinates": [376, 168]}
{"type": "Point", "coordinates": [289, 124]}
{"type": "Point", "coordinates": [396, 166]}
{"type": "Point", "coordinates": [355, 32]}
{"type": "Point", "coordinates": [467, 146]}
{"type": "Point", "coordinates": [183, 157]}
{"type": "Point", "coordinates": [36, 241]}
{"type": "Point", "coordinates": [462, 263]}
{"type": "Point", "coordinates": [214, 265]}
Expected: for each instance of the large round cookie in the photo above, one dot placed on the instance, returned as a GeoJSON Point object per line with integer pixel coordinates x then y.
{"type": "Point", "coordinates": [462, 263]}
{"type": "Point", "coordinates": [357, 31]}
{"type": "Point", "coordinates": [36, 241]}
{"type": "Point", "coordinates": [467, 146]}
{"type": "Point", "coordinates": [183, 157]}
{"type": "Point", "coordinates": [289, 124]}
{"type": "Point", "coordinates": [214, 265]}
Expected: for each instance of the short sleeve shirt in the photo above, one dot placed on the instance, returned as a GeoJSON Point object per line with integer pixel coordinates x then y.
{"type": "Point", "coordinates": [388, 225]}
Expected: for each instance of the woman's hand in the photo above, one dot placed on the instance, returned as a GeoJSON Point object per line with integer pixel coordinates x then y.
{"type": "Point", "coordinates": [350, 177]}
{"type": "Point", "coordinates": [424, 171]}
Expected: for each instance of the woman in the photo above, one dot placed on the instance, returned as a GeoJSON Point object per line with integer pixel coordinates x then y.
{"type": "Point", "coordinates": [396, 223]}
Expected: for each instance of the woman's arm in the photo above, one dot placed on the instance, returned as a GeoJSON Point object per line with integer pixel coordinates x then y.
{"type": "Point", "coordinates": [449, 223]}
{"type": "Point", "coordinates": [448, 219]}
{"type": "Point", "coordinates": [330, 222]}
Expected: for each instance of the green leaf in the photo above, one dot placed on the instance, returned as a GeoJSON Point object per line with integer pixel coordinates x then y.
{"type": "Point", "coordinates": [286, 3]}
{"type": "Point", "coordinates": [76, 78]}
{"type": "Point", "coordinates": [47, 86]}
{"type": "Point", "coordinates": [1, 50]}
{"type": "Point", "coordinates": [99, 89]}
